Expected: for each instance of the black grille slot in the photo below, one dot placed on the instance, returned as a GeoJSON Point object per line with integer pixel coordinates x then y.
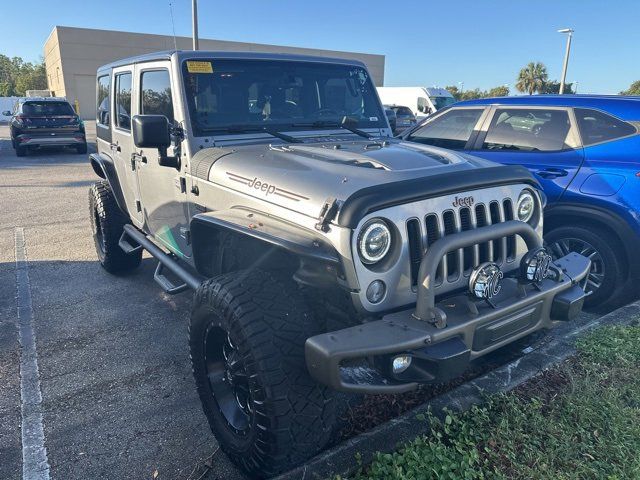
{"type": "Point", "coordinates": [449, 221]}
{"type": "Point", "coordinates": [511, 240]}
{"type": "Point", "coordinates": [466, 224]}
{"type": "Point", "coordinates": [433, 234]}
{"type": "Point", "coordinates": [415, 248]}
{"type": "Point", "coordinates": [499, 243]}
{"type": "Point", "coordinates": [481, 221]}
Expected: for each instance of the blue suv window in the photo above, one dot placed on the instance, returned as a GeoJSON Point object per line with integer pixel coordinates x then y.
{"type": "Point", "coordinates": [598, 127]}
{"type": "Point", "coordinates": [450, 130]}
{"type": "Point", "coordinates": [529, 130]}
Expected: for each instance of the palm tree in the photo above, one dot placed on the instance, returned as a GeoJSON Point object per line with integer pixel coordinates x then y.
{"type": "Point", "coordinates": [532, 78]}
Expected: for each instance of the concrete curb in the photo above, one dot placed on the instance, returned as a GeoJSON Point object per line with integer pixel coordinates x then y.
{"type": "Point", "coordinates": [551, 351]}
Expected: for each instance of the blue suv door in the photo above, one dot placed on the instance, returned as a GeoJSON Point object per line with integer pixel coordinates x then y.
{"type": "Point", "coordinates": [543, 139]}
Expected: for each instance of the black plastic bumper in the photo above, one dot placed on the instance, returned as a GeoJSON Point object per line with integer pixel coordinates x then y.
{"type": "Point", "coordinates": [358, 359]}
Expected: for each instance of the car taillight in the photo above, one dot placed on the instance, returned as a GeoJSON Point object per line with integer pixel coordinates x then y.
{"type": "Point", "coordinates": [638, 174]}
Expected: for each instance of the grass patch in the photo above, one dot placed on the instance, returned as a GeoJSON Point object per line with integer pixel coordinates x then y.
{"type": "Point", "coordinates": [578, 421]}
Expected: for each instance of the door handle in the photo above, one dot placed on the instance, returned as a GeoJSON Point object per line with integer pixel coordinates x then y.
{"type": "Point", "coordinates": [552, 173]}
{"type": "Point", "coordinates": [115, 146]}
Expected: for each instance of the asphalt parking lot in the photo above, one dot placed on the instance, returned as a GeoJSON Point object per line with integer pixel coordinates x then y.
{"type": "Point", "coordinates": [118, 399]}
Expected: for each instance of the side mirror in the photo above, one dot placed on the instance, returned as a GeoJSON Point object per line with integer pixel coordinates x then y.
{"type": "Point", "coordinates": [152, 131]}
{"type": "Point", "coordinates": [6, 113]}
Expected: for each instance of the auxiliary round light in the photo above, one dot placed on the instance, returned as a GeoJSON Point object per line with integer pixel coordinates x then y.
{"type": "Point", "coordinates": [484, 281]}
{"type": "Point", "coordinates": [534, 266]}
{"type": "Point", "coordinates": [526, 206]}
{"type": "Point", "coordinates": [376, 291]}
{"type": "Point", "coordinates": [400, 363]}
{"type": "Point", "coordinates": [374, 241]}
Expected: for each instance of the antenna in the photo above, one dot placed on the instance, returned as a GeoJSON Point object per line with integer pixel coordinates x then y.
{"type": "Point", "coordinates": [173, 27]}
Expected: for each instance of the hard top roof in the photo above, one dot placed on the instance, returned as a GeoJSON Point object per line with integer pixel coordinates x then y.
{"type": "Point", "coordinates": [191, 54]}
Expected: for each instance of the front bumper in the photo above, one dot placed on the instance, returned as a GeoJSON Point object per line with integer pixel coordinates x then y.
{"type": "Point", "coordinates": [51, 139]}
{"type": "Point", "coordinates": [442, 338]}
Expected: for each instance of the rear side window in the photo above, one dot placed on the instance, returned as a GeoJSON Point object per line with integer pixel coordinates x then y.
{"type": "Point", "coordinates": [156, 94]}
{"type": "Point", "coordinates": [123, 101]}
{"type": "Point", "coordinates": [103, 107]}
{"type": "Point", "coordinates": [45, 109]}
{"type": "Point", "coordinates": [530, 130]}
{"type": "Point", "coordinates": [597, 127]}
{"type": "Point", "coordinates": [450, 130]}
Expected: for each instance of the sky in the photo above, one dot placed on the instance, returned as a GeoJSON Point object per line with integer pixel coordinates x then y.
{"type": "Point", "coordinates": [482, 43]}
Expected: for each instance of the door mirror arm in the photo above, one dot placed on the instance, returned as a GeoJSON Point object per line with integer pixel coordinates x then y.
{"type": "Point", "coordinates": [165, 160]}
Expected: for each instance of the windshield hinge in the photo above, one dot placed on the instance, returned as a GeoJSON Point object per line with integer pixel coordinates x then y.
{"type": "Point", "coordinates": [327, 214]}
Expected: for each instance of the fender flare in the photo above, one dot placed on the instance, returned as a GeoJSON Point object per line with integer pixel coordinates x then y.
{"type": "Point", "coordinates": [301, 242]}
{"type": "Point", "coordinates": [616, 224]}
{"type": "Point", "coordinates": [103, 167]}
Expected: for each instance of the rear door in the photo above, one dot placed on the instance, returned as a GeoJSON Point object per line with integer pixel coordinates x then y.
{"type": "Point", "coordinates": [163, 189]}
{"type": "Point", "coordinates": [122, 141]}
{"type": "Point", "coordinates": [543, 139]}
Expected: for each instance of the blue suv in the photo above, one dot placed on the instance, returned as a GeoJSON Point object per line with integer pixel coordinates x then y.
{"type": "Point", "coordinates": [584, 150]}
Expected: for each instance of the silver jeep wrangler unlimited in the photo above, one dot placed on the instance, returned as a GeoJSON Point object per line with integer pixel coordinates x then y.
{"type": "Point", "coordinates": [325, 256]}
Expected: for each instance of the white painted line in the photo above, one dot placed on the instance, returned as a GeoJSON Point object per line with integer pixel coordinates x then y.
{"type": "Point", "coordinates": [35, 465]}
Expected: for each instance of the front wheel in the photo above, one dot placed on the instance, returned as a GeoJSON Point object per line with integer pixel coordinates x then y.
{"type": "Point", "coordinates": [246, 337]}
{"type": "Point", "coordinates": [600, 247]}
{"type": "Point", "coordinates": [21, 151]}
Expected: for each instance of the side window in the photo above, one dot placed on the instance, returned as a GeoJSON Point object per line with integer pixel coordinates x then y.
{"type": "Point", "coordinates": [530, 130]}
{"type": "Point", "coordinates": [450, 130]}
{"type": "Point", "coordinates": [103, 106]}
{"type": "Point", "coordinates": [123, 101]}
{"type": "Point", "coordinates": [597, 127]}
{"type": "Point", "coordinates": [156, 94]}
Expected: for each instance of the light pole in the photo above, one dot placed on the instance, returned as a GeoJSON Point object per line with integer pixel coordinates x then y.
{"type": "Point", "coordinates": [569, 33]}
{"type": "Point", "coordinates": [194, 21]}
{"type": "Point", "coordinates": [461, 86]}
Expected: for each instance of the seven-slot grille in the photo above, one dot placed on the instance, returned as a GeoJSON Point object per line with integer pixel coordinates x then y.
{"type": "Point", "coordinates": [423, 233]}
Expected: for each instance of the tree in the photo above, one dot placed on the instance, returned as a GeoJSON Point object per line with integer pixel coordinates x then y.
{"type": "Point", "coordinates": [501, 91]}
{"type": "Point", "coordinates": [634, 89]}
{"type": "Point", "coordinates": [532, 78]}
{"type": "Point", "coordinates": [553, 87]}
{"type": "Point", "coordinates": [18, 76]}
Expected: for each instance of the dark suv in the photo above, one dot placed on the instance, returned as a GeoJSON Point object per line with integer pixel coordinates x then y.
{"type": "Point", "coordinates": [38, 122]}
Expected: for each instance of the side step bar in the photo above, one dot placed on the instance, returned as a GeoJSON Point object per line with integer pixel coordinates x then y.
{"type": "Point", "coordinates": [165, 261]}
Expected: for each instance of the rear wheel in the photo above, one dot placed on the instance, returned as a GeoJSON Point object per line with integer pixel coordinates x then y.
{"type": "Point", "coordinates": [246, 336]}
{"type": "Point", "coordinates": [107, 225]}
{"type": "Point", "coordinates": [600, 247]}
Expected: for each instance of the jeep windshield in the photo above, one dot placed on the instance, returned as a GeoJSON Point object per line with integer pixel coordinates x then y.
{"type": "Point", "coordinates": [233, 96]}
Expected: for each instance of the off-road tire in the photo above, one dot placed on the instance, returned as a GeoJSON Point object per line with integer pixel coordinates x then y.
{"type": "Point", "coordinates": [107, 225]}
{"type": "Point", "coordinates": [81, 148]}
{"type": "Point", "coordinates": [269, 322]}
{"type": "Point", "coordinates": [608, 247]}
{"type": "Point", "coordinates": [21, 151]}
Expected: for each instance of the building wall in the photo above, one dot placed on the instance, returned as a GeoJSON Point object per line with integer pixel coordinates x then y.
{"type": "Point", "coordinates": [72, 56]}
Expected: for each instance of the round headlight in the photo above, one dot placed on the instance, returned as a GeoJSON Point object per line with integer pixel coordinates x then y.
{"type": "Point", "coordinates": [526, 206]}
{"type": "Point", "coordinates": [374, 241]}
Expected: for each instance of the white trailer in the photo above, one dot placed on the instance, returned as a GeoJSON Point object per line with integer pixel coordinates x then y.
{"type": "Point", "coordinates": [421, 100]}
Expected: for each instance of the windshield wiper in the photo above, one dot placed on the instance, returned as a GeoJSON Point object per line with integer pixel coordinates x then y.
{"type": "Point", "coordinates": [247, 129]}
{"type": "Point", "coordinates": [326, 123]}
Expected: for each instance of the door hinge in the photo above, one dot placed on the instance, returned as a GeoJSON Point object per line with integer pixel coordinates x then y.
{"type": "Point", "coordinates": [327, 214]}
{"type": "Point", "coordinates": [138, 206]}
{"type": "Point", "coordinates": [183, 185]}
{"type": "Point", "coordinates": [186, 234]}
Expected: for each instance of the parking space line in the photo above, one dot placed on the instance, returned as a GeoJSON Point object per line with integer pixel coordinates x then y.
{"type": "Point", "coordinates": [35, 465]}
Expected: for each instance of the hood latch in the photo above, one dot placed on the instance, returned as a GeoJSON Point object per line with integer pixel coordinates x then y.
{"type": "Point", "coordinates": [327, 214]}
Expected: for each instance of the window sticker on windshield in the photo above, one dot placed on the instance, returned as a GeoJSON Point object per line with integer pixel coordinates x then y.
{"type": "Point", "coordinates": [199, 67]}
{"type": "Point", "coordinates": [373, 119]}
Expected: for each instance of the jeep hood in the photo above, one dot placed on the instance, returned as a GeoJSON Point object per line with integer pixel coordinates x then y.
{"type": "Point", "coordinates": [301, 177]}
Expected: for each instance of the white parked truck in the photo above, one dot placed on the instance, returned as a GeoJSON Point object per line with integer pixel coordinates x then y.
{"type": "Point", "coordinates": [421, 100]}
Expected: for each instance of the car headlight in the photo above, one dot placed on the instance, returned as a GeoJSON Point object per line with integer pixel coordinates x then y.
{"type": "Point", "coordinates": [374, 241]}
{"type": "Point", "coordinates": [526, 206]}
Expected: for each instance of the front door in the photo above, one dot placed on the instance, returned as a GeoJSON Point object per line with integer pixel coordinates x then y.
{"type": "Point", "coordinates": [122, 141]}
{"type": "Point", "coordinates": [543, 139]}
{"type": "Point", "coordinates": [163, 189]}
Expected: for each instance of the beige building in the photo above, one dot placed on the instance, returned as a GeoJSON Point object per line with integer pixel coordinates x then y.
{"type": "Point", "coordinates": [72, 56]}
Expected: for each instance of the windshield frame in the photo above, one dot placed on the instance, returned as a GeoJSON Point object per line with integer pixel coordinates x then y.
{"type": "Point", "coordinates": [322, 123]}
